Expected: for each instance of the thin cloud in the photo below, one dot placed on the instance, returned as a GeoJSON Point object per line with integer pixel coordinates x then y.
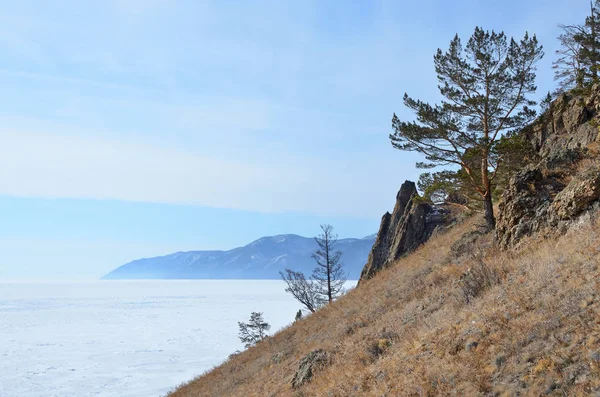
{"type": "Point", "coordinates": [46, 165]}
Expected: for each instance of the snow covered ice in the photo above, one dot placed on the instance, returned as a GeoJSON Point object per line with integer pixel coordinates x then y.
{"type": "Point", "coordinates": [125, 338]}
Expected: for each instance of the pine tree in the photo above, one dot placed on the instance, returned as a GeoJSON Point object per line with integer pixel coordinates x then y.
{"type": "Point", "coordinates": [254, 330]}
{"type": "Point", "coordinates": [454, 187]}
{"type": "Point", "coordinates": [329, 273]}
{"type": "Point", "coordinates": [447, 187]}
{"type": "Point", "coordinates": [486, 89]}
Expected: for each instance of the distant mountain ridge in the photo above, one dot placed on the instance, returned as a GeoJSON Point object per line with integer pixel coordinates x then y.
{"type": "Point", "coordinates": [261, 259]}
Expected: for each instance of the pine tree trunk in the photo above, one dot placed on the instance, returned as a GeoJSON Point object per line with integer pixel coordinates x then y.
{"type": "Point", "coordinates": [490, 220]}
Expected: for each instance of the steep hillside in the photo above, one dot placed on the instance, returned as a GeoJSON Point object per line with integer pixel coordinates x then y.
{"type": "Point", "coordinates": [493, 322]}
{"type": "Point", "coordinates": [261, 259]}
{"type": "Point", "coordinates": [510, 313]}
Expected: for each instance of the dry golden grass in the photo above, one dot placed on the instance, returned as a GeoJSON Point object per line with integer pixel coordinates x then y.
{"type": "Point", "coordinates": [410, 332]}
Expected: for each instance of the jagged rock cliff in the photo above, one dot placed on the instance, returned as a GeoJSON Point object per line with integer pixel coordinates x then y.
{"type": "Point", "coordinates": [550, 196]}
{"type": "Point", "coordinates": [410, 224]}
{"type": "Point", "coordinates": [570, 123]}
{"type": "Point", "coordinates": [544, 198]}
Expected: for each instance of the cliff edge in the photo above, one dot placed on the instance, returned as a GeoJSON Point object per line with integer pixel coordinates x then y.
{"type": "Point", "coordinates": [564, 186]}
{"type": "Point", "coordinates": [410, 224]}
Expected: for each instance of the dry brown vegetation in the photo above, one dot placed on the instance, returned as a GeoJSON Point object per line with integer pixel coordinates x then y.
{"type": "Point", "coordinates": [503, 323]}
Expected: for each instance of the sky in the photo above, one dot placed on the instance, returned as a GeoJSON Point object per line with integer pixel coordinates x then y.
{"type": "Point", "coordinates": [137, 128]}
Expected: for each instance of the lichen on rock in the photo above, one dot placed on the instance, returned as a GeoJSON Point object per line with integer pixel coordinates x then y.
{"type": "Point", "coordinates": [308, 366]}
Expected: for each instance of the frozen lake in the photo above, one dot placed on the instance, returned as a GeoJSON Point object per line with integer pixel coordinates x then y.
{"type": "Point", "coordinates": [124, 338]}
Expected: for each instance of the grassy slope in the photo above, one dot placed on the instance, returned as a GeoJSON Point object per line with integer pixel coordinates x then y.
{"type": "Point", "coordinates": [406, 331]}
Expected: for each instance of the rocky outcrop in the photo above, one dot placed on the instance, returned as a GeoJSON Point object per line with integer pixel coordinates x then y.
{"type": "Point", "coordinates": [541, 201]}
{"type": "Point", "coordinates": [550, 196]}
{"type": "Point", "coordinates": [409, 225]}
{"type": "Point", "coordinates": [578, 195]}
{"type": "Point", "coordinates": [523, 204]}
{"type": "Point", "coordinates": [312, 362]}
{"type": "Point", "coordinates": [570, 123]}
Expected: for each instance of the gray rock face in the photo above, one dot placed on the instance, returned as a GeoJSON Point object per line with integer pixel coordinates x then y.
{"type": "Point", "coordinates": [409, 225]}
{"type": "Point", "coordinates": [524, 203]}
{"type": "Point", "coordinates": [578, 195]}
{"type": "Point", "coordinates": [312, 362]}
{"type": "Point", "coordinates": [549, 197]}
{"type": "Point", "coordinates": [571, 123]}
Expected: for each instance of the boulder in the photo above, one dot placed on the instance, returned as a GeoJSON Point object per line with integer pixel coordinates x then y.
{"type": "Point", "coordinates": [311, 363]}
{"type": "Point", "coordinates": [578, 195]}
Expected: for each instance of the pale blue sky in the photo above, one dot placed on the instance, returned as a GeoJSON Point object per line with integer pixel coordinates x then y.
{"type": "Point", "coordinates": [133, 128]}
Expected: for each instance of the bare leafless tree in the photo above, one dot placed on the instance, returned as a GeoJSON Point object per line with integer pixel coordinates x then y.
{"type": "Point", "coordinates": [569, 68]}
{"type": "Point", "coordinates": [329, 273]}
{"type": "Point", "coordinates": [305, 291]}
{"type": "Point", "coordinates": [327, 280]}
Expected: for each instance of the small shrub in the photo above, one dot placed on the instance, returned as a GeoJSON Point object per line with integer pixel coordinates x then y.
{"type": "Point", "coordinates": [233, 355]}
{"type": "Point", "coordinates": [378, 347]}
{"type": "Point", "coordinates": [543, 365]}
{"type": "Point", "coordinates": [478, 278]}
{"type": "Point", "coordinates": [500, 360]}
{"type": "Point", "coordinates": [352, 327]}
